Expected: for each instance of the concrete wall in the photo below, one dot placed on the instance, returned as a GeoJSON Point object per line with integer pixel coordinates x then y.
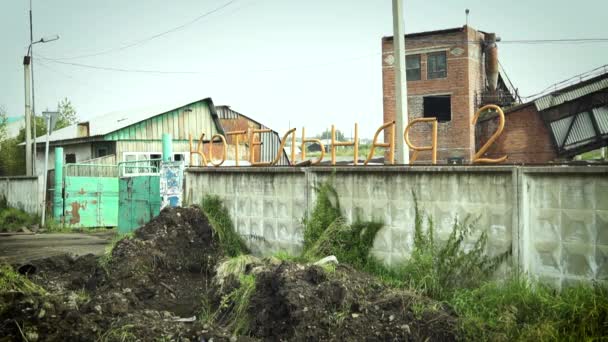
{"type": "Point", "coordinates": [554, 219]}
{"type": "Point", "coordinates": [22, 192]}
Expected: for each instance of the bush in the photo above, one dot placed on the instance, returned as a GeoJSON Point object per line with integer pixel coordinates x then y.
{"type": "Point", "coordinates": [220, 221]}
{"type": "Point", "coordinates": [13, 219]}
{"type": "Point", "coordinates": [324, 213]}
{"type": "Point", "coordinates": [349, 243]}
{"type": "Point", "coordinates": [437, 269]}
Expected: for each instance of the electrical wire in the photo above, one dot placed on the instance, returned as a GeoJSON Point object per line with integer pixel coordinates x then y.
{"type": "Point", "coordinates": [149, 38]}
{"type": "Point", "coordinates": [196, 72]}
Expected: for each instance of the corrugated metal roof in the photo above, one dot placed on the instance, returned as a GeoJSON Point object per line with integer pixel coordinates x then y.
{"type": "Point", "coordinates": [601, 116]}
{"type": "Point", "coordinates": [270, 140]}
{"type": "Point", "coordinates": [110, 122]}
{"type": "Point", "coordinates": [558, 97]}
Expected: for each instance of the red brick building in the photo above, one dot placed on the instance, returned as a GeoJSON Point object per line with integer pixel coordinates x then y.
{"type": "Point", "coordinates": [555, 126]}
{"type": "Point", "coordinates": [450, 74]}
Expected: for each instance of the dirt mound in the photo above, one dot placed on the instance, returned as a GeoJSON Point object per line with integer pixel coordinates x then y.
{"type": "Point", "coordinates": [293, 302]}
{"type": "Point", "coordinates": [149, 287]}
{"type": "Point", "coordinates": [158, 282]}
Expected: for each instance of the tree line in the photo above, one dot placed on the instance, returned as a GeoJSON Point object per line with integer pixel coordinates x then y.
{"type": "Point", "coordinates": [12, 155]}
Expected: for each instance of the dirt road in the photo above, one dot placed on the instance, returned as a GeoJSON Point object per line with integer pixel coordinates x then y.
{"type": "Point", "coordinates": [22, 248]}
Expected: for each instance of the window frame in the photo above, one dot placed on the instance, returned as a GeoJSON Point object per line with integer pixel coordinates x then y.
{"type": "Point", "coordinates": [434, 74]}
{"type": "Point", "coordinates": [407, 69]}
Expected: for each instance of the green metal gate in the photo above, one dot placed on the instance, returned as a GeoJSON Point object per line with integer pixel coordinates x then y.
{"type": "Point", "coordinates": [90, 195]}
{"type": "Point", "coordinates": [139, 194]}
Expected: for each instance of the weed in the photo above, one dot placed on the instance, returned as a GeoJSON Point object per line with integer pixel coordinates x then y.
{"type": "Point", "coordinates": [285, 256]}
{"type": "Point", "coordinates": [3, 202]}
{"type": "Point", "coordinates": [349, 243]}
{"type": "Point", "coordinates": [106, 258]}
{"type": "Point", "coordinates": [234, 267]}
{"type": "Point", "coordinates": [438, 269]}
{"type": "Point", "coordinates": [220, 221]}
{"type": "Point", "coordinates": [12, 281]}
{"type": "Point", "coordinates": [324, 213]}
{"type": "Point", "coordinates": [234, 306]}
{"type": "Point", "coordinates": [122, 334]}
{"type": "Point", "coordinates": [12, 219]}
{"type": "Point", "coordinates": [327, 232]}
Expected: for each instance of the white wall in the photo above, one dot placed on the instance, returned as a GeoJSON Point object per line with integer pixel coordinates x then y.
{"type": "Point", "coordinates": [82, 151]}
{"type": "Point", "coordinates": [22, 192]}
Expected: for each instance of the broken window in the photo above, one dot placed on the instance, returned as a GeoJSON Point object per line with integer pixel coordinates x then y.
{"type": "Point", "coordinates": [436, 64]}
{"type": "Point", "coordinates": [70, 158]}
{"type": "Point", "coordinates": [438, 106]}
{"type": "Point", "coordinates": [412, 66]}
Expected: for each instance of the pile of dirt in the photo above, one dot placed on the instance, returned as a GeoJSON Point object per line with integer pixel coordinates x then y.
{"type": "Point", "coordinates": [293, 302]}
{"type": "Point", "coordinates": [157, 282]}
{"type": "Point", "coordinates": [150, 287]}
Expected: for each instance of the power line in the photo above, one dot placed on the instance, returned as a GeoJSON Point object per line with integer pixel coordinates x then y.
{"type": "Point", "coordinates": [149, 38]}
{"type": "Point", "coordinates": [198, 72]}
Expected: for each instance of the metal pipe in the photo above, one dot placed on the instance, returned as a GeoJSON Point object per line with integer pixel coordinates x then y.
{"type": "Point", "coordinates": [46, 168]}
{"type": "Point", "coordinates": [167, 148]}
{"type": "Point", "coordinates": [58, 191]}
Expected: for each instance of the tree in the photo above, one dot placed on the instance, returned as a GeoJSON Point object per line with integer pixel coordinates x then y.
{"type": "Point", "coordinates": [67, 114]}
{"type": "Point", "coordinates": [3, 124]}
{"type": "Point", "coordinates": [327, 135]}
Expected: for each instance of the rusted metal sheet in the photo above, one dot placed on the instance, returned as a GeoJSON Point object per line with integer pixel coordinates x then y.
{"type": "Point", "coordinates": [91, 202]}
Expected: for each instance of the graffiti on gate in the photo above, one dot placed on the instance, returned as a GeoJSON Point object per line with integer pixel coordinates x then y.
{"type": "Point", "coordinates": [171, 184]}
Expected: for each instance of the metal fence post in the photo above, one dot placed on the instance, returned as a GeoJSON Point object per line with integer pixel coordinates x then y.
{"type": "Point", "coordinates": [58, 193]}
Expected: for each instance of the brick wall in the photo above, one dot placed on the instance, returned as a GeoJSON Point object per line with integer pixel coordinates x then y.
{"type": "Point", "coordinates": [465, 76]}
{"type": "Point", "coordinates": [525, 138]}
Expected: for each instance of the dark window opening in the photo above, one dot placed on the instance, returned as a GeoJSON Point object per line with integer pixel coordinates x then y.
{"type": "Point", "coordinates": [412, 67]}
{"type": "Point", "coordinates": [437, 65]}
{"type": "Point", "coordinates": [439, 107]}
{"type": "Point", "coordinates": [70, 158]}
{"type": "Point", "coordinates": [178, 157]}
{"type": "Point", "coordinates": [102, 151]}
{"type": "Point", "coordinates": [155, 163]}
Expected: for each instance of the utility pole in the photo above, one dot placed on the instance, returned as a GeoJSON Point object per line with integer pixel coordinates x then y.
{"type": "Point", "coordinates": [402, 154]}
{"type": "Point", "coordinates": [28, 118]}
{"type": "Point", "coordinates": [33, 117]}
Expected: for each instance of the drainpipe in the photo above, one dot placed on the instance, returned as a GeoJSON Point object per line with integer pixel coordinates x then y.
{"type": "Point", "coordinates": [167, 147]}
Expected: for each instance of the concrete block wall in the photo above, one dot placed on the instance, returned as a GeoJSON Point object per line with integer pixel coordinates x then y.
{"type": "Point", "coordinates": [262, 203]}
{"type": "Point", "coordinates": [554, 219]}
{"type": "Point", "coordinates": [22, 192]}
{"type": "Point", "coordinates": [565, 226]}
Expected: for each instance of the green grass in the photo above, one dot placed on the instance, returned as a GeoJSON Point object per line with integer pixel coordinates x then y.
{"type": "Point", "coordinates": [12, 219]}
{"type": "Point", "coordinates": [11, 281]}
{"type": "Point", "coordinates": [230, 242]}
{"type": "Point", "coordinates": [233, 311]}
{"type": "Point", "coordinates": [519, 310]}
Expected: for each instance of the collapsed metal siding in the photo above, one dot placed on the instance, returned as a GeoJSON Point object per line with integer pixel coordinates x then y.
{"type": "Point", "coordinates": [601, 116]}
{"type": "Point", "coordinates": [271, 142]}
{"type": "Point", "coordinates": [552, 100]}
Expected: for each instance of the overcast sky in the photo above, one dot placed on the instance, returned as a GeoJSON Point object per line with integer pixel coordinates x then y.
{"type": "Point", "coordinates": [283, 62]}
